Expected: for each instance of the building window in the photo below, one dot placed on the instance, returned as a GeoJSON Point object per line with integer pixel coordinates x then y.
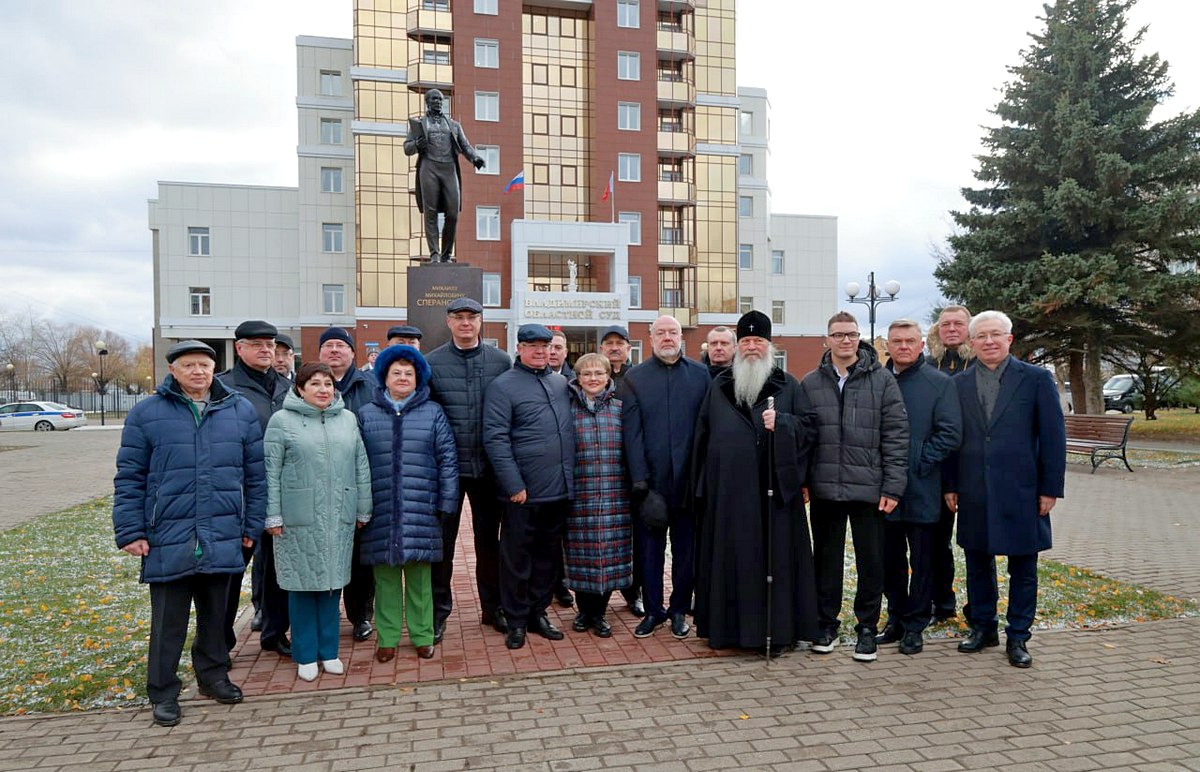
{"type": "Point", "coordinates": [487, 106]}
{"type": "Point", "coordinates": [331, 83]}
{"type": "Point", "coordinates": [629, 65]}
{"type": "Point", "coordinates": [331, 131]}
{"type": "Point", "coordinates": [635, 352]}
{"type": "Point", "coordinates": [435, 56]}
{"type": "Point", "coordinates": [629, 167]}
{"type": "Point", "coordinates": [487, 53]}
{"type": "Point", "coordinates": [746, 257]}
{"type": "Point", "coordinates": [781, 359]}
{"type": "Point", "coordinates": [331, 179]}
{"type": "Point", "coordinates": [569, 128]}
{"type": "Point", "coordinates": [746, 125]}
{"type": "Point", "coordinates": [494, 342]}
{"type": "Point", "coordinates": [487, 223]}
{"type": "Point", "coordinates": [491, 159]}
{"type": "Point", "coordinates": [331, 237]}
{"type": "Point", "coordinates": [777, 262]}
{"type": "Point", "coordinates": [635, 291]}
{"type": "Point", "coordinates": [435, 5]}
{"type": "Point", "coordinates": [201, 301]}
{"type": "Point", "coordinates": [198, 242]}
{"type": "Point", "coordinates": [746, 165]}
{"type": "Point", "coordinates": [629, 116]}
{"type": "Point", "coordinates": [777, 312]}
{"type": "Point", "coordinates": [635, 225]}
{"type": "Point", "coordinates": [745, 304]}
{"type": "Point", "coordinates": [333, 298]}
{"type": "Point", "coordinates": [540, 74]}
{"type": "Point", "coordinates": [627, 14]}
{"type": "Point", "coordinates": [745, 206]}
{"type": "Point", "coordinates": [491, 290]}
{"type": "Point", "coordinates": [487, 7]}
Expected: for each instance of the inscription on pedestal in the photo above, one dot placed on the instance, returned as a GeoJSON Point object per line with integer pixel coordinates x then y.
{"type": "Point", "coordinates": [431, 287]}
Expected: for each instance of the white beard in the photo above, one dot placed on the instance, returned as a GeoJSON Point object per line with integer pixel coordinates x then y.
{"type": "Point", "coordinates": [750, 375]}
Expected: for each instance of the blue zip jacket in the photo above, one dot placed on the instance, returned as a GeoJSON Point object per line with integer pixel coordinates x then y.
{"type": "Point", "coordinates": [191, 488]}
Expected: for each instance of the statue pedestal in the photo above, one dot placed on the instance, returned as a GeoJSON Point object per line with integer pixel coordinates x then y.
{"type": "Point", "coordinates": [431, 287]}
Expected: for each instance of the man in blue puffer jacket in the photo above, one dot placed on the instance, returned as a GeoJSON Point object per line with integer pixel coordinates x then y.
{"type": "Point", "coordinates": [190, 493]}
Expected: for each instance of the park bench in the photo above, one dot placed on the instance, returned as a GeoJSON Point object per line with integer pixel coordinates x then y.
{"type": "Point", "coordinates": [1099, 436]}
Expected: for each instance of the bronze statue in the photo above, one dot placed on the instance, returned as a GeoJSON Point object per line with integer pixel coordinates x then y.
{"type": "Point", "coordinates": [438, 141]}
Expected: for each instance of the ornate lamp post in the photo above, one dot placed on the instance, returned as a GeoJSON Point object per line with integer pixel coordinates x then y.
{"type": "Point", "coordinates": [11, 370]}
{"type": "Point", "coordinates": [101, 381]}
{"type": "Point", "coordinates": [873, 297]}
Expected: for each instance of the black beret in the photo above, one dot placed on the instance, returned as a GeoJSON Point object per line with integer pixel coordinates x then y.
{"type": "Point", "coordinates": [190, 347]}
{"type": "Point", "coordinates": [404, 331]}
{"type": "Point", "coordinates": [285, 340]}
{"type": "Point", "coordinates": [754, 323]}
{"type": "Point", "coordinates": [464, 304]}
{"type": "Point", "coordinates": [615, 329]}
{"type": "Point", "coordinates": [336, 333]}
{"type": "Point", "coordinates": [255, 328]}
{"type": "Point", "coordinates": [530, 333]}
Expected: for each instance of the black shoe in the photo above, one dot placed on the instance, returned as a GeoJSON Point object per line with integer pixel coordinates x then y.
{"type": "Point", "coordinates": [864, 650]}
{"type": "Point", "coordinates": [911, 643]}
{"type": "Point", "coordinates": [564, 597]}
{"type": "Point", "coordinates": [679, 626]}
{"type": "Point", "coordinates": [582, 623]}
{"type": "Point", "coordinates": [601, 627]}
{"type": "Point", "coordinates": [439, 631]}
{"type": "Point", "coordinates": [256, 622]}
{"type": "Point", "coordinates": [891, 633]}
{"type": "Point", "coordinates": [825, 642]}
{"type": "Point", "coordinates": [543, 627]}
{"type": "Point", "coordinates": [515, 638]}
{"type": "Point", "coordinates": [647, 626]}
{"type": "Point", "coordinates": [1018, 655]}
{"type": "Point", "coordinates": [282, 647]}
{"type": "Point", "coordinates": [978, 641]}
{"type": "Point", "coordinates": [222, 691]}
{"type": "Point", "coordinates": [637, 608]}
{"type": "Point", "coordinates": [495, 620]}
{"type": "Point", "coordinates": [167, 713]}
{"type": "Point", "coordinates": [363, 630]}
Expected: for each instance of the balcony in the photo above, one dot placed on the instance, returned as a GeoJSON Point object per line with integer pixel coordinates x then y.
{"type": "Point", "coordinates": [676, 192]}
{"type": "Point", "coordinates": [676, 92]}
{"type": "Point", "coordinates": [424, 73]}
{"type": "Point", "coordinates": [430, 19]}
{"type": "Point", "coordinates": [677, 6]}
{"type": "Point", "coordinates": [687, 316]}
{"type": "Point", "coordinates": [677, 143]}
{"type": "Point", "coordinates": [680, 255]}
{"type": "Point", "coordinates": [675, 43]}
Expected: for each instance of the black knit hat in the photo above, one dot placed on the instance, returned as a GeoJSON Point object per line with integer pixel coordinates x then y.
{"type": "Point", "coordinates": [754, 323]}
{"type": "Point", "coordinates": [336, 333]}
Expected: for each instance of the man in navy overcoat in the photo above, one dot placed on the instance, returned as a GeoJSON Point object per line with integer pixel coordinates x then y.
{"type": "Point", "coordinates": [1004, 481]}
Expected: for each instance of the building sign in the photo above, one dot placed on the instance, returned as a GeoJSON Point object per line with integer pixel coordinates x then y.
{"type": "Point", "coordinates": [571, 309]}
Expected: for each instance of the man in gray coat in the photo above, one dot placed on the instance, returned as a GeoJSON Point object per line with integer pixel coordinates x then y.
{"type": "Point", "coordinates": [858, 473]}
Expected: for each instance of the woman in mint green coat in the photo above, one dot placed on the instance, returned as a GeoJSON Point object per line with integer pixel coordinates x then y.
{"type": "Point", "coordinates": [318, 492]}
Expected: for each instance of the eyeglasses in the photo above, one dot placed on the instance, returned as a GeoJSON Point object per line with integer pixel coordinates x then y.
{"type": "Point", "coordinates": [592, 374]}
{"type": "Point", "coordinates": [989, 336]}
{"type": "Point", "coordinates": [258, 343]}
{"type": "Point", "coordinates": [845, 335]}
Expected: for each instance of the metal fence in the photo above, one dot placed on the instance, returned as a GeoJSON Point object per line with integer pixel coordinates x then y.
{"type": "Point", "coordinates": [81, 393]}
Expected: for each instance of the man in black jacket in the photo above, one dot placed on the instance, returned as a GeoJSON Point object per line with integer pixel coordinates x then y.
{"type": "Point", "coordinates": [254, 377]}
{"type": "Point", "coordinates": [858, 473]}
{"type": "Point", "coordinates": [529, 434]}
{"type": "Point", "coordinates": [463, 369]}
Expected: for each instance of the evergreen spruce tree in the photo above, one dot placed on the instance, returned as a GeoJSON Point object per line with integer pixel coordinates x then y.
{"type": "Point", "coordinates": [1086, 226]}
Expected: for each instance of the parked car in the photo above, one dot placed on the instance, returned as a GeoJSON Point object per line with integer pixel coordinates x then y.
{"type": "Point", "coordinates": [1123, 392]}
{"type": "Point", "coordinates": [40, 417]}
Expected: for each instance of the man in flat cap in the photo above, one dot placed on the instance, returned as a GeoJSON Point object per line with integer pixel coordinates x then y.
{"type": "Point", "coordinates": [529, 434]}
{"type": "Point", "coordinates": [463, 369]}
{"type": "Point", "coordinates": [753, 435]}
{"type": "Point", "coordinates": [336, 349]}
{"type": "Point", "coordinates": [615, 347]}
{"type": "Point", "coordinates": [190, 495]}
{"type": "Point", "coordinates": [253, 376]}
{"type": "Point", "coordinates": [285, 356]}
{"type": "Point", "coordinates": [405, 335]}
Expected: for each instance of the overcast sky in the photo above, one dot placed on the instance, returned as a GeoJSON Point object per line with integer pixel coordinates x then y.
{"type": "Point", "coordinates": [877, 109]}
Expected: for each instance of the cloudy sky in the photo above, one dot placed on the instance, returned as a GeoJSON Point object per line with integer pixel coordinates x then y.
{"type": "Point", "coordinates": [877, 111]}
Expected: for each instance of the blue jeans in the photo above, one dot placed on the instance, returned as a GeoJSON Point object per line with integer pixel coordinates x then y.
{"type": "Point", "coordinates": [315, 622]}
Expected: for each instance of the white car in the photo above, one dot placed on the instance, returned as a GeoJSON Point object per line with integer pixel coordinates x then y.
{"type": "Point", "coordinates": [40, 416]}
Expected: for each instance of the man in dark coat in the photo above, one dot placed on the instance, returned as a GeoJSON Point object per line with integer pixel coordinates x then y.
{"type": "Point", "coordinates": [190, 495]}
{"type": "Point", "coordinates": [462, 370]}
{"type": "Point", "coordinates": [934, 432]}
{"type": "Point", "coordinates": [1004, 481]}
{"type": "Point", "coordinates": [336, 349]}
{"type": "Point", "coordinates": [405, 335]}
{"type": "Point", "coordinates": [285, 356]}
{"type": "Point", "coordinates": [950, 353]}
{"type": "Point", "coordinates": [661, 397]}
{"type": "Point", "coordinates": [744, 447]}
{"type": "Point", "coordinates": [529, 434]}
{"type": "Point", "coordinates": [254, 377]}
{"type": "Point", "coordinates": [858, 473]}
{"type": "Point", "coordinates": [438, 141]}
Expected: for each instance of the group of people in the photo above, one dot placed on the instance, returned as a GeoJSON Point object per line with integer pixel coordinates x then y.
{"type": "Point", "coordinates": [347, 488]}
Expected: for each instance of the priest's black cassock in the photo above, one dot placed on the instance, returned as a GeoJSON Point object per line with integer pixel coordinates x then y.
{"type": "Point", "coordinates": [730, 478]}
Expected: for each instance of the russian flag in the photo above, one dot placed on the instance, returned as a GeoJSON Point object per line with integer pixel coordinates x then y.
{"type": "Point", "coordinates": [609, 190]}
{"type": "Point", "coordinates": [516, 183]}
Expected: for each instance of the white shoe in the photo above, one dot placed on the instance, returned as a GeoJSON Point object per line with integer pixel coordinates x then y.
{"type": "Point", "coordinates": [307, 672]}
{"type": "Point", "coordinates": [333, 666]}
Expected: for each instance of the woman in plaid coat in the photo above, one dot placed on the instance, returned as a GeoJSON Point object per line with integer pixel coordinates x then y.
{"type": "Point", "coordinates": [599, 546]}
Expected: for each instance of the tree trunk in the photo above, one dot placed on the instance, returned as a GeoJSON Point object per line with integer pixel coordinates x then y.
{"type": "Point", "coordinates": [1078, 385]}
{"type": "Point", "coordinates": [1095, 382]}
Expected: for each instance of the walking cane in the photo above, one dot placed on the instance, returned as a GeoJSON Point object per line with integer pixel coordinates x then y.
{"type": "Point", "coordinates": [770, 518]}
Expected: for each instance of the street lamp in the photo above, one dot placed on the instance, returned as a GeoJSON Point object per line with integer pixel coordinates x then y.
{"type": "Point", "coordinates": [11, 370]}
{"type": "Point", "coordinates": [873, 297]}
{"type": "Point", "coordinates": [101, 381]}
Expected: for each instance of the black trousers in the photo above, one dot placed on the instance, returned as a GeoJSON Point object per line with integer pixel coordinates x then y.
{"type": "Point", "coordinates": [359, 596]}
{"type": "Point", "coordinates": [529, 536]}
{"type": "Point", "coordinates": [592, 604]}
{"type": "Point", "coordinates": [829, 549]}
{"type": "Point", "coordinates": [652, 554]}
{"type": "Point", "coordinates": [256, 576]}
{"type": "Point", "coordinates": [983, 593]}
{"type": "Point", "coordinates": [273, 603]}
{"type": "Point", "coordinates": [170, 608]}
{"type": "Point", "coordinates": [905, 545]}
{"type": "Point", "coordinates": [486, 512]}
{"type": "Point", "coordinates": [440, 194]}
{"type": "Point", "coordinates": [941, 562]}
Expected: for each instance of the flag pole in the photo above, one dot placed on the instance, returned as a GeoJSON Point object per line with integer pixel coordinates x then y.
{"type": "Point", "coordinates": [612, 199]}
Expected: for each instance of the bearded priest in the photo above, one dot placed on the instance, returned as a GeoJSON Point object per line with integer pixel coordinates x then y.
{"type": "Point", "coordinates": [753, 435]}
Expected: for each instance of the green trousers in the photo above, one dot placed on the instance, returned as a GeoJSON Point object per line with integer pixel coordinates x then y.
{"type": "Point", "coordinates": [399, 589]}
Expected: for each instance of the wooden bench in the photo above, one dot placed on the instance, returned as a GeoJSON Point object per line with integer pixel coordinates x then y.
{"type": "Point", "coordinates": [1099, 436]}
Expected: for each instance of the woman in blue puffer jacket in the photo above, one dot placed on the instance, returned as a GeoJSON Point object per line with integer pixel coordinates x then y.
{"type": "Point", "coordinates": [414, 480]}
